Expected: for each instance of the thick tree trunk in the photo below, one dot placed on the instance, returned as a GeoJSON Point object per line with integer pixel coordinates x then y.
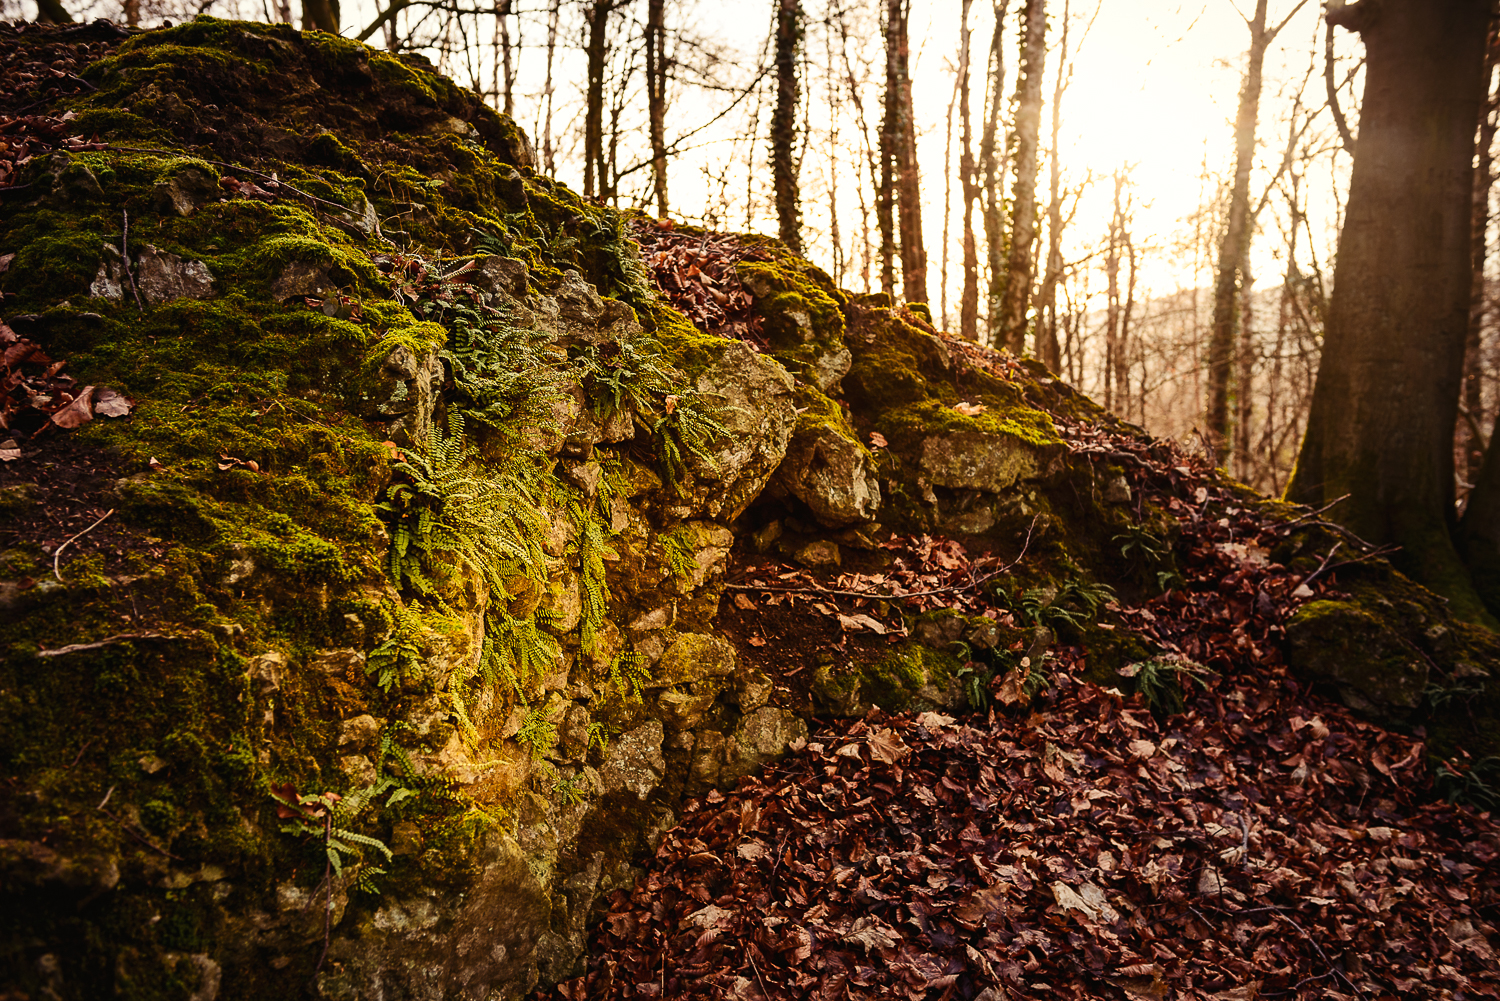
{"type": "Point", "coordinates": [908, 179]}
{"type": "Point", "coordinates": [1047, 347]}
{"type": "Point", "coordinates": [656, 98]}
{"type": "Point", "coordinates": [322, 15]}
{"type": "Point", "coordinates": [1470, 437]}
{"type": "Point", "coordinates": [1381, 423]}
{"type": "Point", "coordinates": [991, 150]}
{"type": "Point", "coordinates": [968, 307]}
{"type": "Point", "coordinates": [1018, 270]}
{"type": "Point", "coordinates": [1112, 300]}
{"type": "Point", "coordinates": [53, 12]}
{"type": "Point", "coordinates": [596, 51]}
{"type": "Point", "coordinates": [1234, 250]}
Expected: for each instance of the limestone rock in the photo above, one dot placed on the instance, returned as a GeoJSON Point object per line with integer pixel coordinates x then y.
{"type": "Point", "coordinates": [818, 553]}
{"type": "Point", "coordinates": [635, 763]}
{"type": "Point", "coordinates": [1375, 671]}
{"type": "Point", "coordinates": [755, 397]}
{"type": "Point", "coordinates": [504, 275]}
{"type": "Point", "coordinates": [828, 370]}
{"type": "Point", "coordinates": [834, 476]}
{"type": "Point", "coordinates": [161, 277]}
{"type": "Point", "coordinates": [185, 192]}
{"type": "Point", "coordinates": [972, 460]}
{"type": "Point", "coordinates": [760, 737]}
{"type": "Point", "coordinates": [694, 657]}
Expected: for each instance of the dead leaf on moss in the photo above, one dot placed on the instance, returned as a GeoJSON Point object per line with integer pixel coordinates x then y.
{"type": "Point", "coordinates": [970, 409]}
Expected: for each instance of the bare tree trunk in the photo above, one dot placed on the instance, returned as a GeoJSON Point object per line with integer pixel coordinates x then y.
{"type": "Point", "coordinates": [1047, 347]}
{"type": "Point", "coordinates": [596, 50]}
{"type": "Point", "coordinates": [942, 322]}
{"type": "Point", "coordinates": [52, 12]}
{"type": "Point", "coordinates": [1018, 270]}
{"type": "Point", "coordinates": [320, 15]}
{"type": "Point", "coordinates": [1470, 434]}
{"type": "Point", "coordinates": [908, 179]}
{"type": "Point", "coordinates": [1112, 298]}
{"type": "Point", "coordinates": [885, 199]}
{"type": "Point", "coordinates": [132, 12]}
{"type": "Point", "coordinates": [1234, 250]}
{"type": "Point", "coordinates": [784, 124]}
{"type": "Point", "coordinates": [1381, 424]}
{"type": "Point", "coordinates": [549, 151]}
{"type": "Point", "coordinates": [968, 309]}
{"type": "Point", "coordinates": [1244, 378]}
{"type": "Point", "coordinates": [990, 152]}
{"type": "Point", "coordinates": [870, 155]}
{"type": "Point", "coordinates": [835, 101]}
{"type": "Point", "coordinates": [507, 56]}
{"type": "Point", "coordinates": [1122, 346]}
{"type": "Point", "coordinates": [656, 98]}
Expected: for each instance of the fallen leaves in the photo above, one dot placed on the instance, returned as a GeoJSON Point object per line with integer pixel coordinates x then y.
{"type": "Point", "coordinates": [970, 409]}
{"type": "Point", "coordinates": [37, 396]}
{"type": "Point", "coordinates": [696, 274]}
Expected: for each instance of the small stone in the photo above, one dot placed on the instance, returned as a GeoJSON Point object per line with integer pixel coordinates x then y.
{"type": "Point", "coordinates": [763, 538]}
{"type": "Point", "coordinates": [819, 553]}
{"type": "Point", "coordinates": [151, 764]}
{"type": "Point", "coordinates": [360, 732]}
{"type": "Point", "coordinates": [753, 690]}
{"type": "Point", "coordinates": [347, 663]}
{"type": "Point", "coordinates": [635, 763]}
{"type": "Point", "coordinates": [185, 192]}
{"type": "Point", "coordinates": [162, 276]}
{"type": "Point", "coordinates": [359, 769]}
{"type": "Point", "coordinates": [266, 670]}
{"type": "Point", "coordinates": [1117, 491]}
{"type": "Point", "coordinates": [694, 657]}
{"type": "Point", "coordinates": [585, 476]}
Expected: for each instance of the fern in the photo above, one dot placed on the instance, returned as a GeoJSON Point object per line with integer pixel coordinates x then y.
{"type": "Point", "coordinates": [628, 674]}
{"type": "Point", "coordinates": [519, 651]}
{"type": "Point", "coordinates": [685, 432]}
{"type": "Point", "coordinates": [537, 733]}
{"type": "Point", "coordinates": [1074, 604]}
{"type": "Point", "coordinates": [592, 550]}
{"type": "Point", "coordinates": [445, 506]}
{"type": "Point", "coordinates": [678, 550]}
{"type": "Point", "coordinates": [1159, 681]}
{"type": "Point", "coordinates": [400, 655]}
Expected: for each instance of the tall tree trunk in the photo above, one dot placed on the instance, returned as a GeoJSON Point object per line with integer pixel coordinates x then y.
{"type": "Point", "coordinates": [904, 143]}
{"type": "Point", "coordinates": [1234, 250]}
{"type": "Point", "coordinates": [596, 51]}
{"type": "Point", "coordinates": [1244, 377]}
{"type": "Point", "coordinates": [656, 98]}
{"type": "Point", "coordinates": [52, 12]}
{"type": "Point", "coordinates": [968, 308]}
{"type": "Point", "coordinates": [784, 124]}
{"type": "Point", "coordinates": [1018, 270]}
{"type": "Point", "coordinates": [322, 15]}
{"type": "Point", "coordinates": [132, 12]}
{"type": "Point", "coordinates": [1470, 435]}
{"type": "Point", "coordinates": [885, 197]}
{"type": "Point", "coordinates": [506, 63]}
{"type": "Point", "coordinates": [1112, 298]}
{"type": "Point", "coordinates": [1047, 347]}
{"type": "Point", "coordinates": [1381, 423]}
{"type": "Point", "coordinates": [549, 151]}
{"type": "Point", "coordinates": [990, 152]}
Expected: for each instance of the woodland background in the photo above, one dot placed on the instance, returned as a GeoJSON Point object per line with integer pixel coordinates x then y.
{"type": "Point", "coordinates": [702, 112]}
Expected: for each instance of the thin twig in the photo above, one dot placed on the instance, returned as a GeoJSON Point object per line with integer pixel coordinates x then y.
{"type": "Point", "coordinates": [56, 572]}
{"type": "Point", "coordinates": [1313, 514]}
{"type": "Point", "coordinates": [1313, 942]}
{"type": "Point", "coordinates": [750, 955]}
{"type": "Point", "coordinates": [125, 257]}
{"type": "Point", "coordinates": [79, 757]}
{"type": "Point", "coordinates": [327, 878]}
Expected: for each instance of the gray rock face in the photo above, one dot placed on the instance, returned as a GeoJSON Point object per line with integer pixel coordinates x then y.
{"type": "Point", "coordinates": [635, 763]}
{"type": "Point", "coordinates": [970, 460]}
{"type": "Point", "coordinates": [1376, 672]}
{"type": "Point", "coordinates": [694, 657]}
{"type": "Point", "coordinates": [834, 476]}
{"type": "Point", "coordinates": [762, 736]}
{"type": "Point", "coordinates": [758, 411]}
{"type": "Point", "coordinates": [159, 277]}
{"type": "Point", "coordinates": [185, 192]}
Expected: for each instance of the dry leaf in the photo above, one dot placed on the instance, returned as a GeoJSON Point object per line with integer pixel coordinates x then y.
{"type": "Point", "coordinates": [756, 641]}
{"type": "Point", "coordinates": [744, 601]}
{"type": "Point", "coordinates": [669, 404]}
{"type": "Point", "coordinates": [1088, 898]}
{"type": "Point", "coordinates": [77, 413]}
{"type": "Point", "coordinates": [862, 621]}
{"type": "Point", "coordinates": [108, 403]}
{"type": "Point", "coordinates": [871, 933]}
{"type": "Point", "coordinates": [886, 746]}
{"type": "Point", "coordinates": [877, 439]}
{"type": "Point", "coordinates": [970, 409]}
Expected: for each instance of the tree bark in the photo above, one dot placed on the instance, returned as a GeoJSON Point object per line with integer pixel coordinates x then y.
{"type": "Point", "coordinates": [885, 196]}
{"type": "Point", "coordinates": [968, 307]}
{"type": "Point", "coordinates": [1047, 347]}
{"type": "Point", "coordinates": [990, 153]}
{"type": "Point", "coordinates": [1112, 298]}
{"type": "Point", "coordinates": [908, 178]}
{"type": "Point", "coordinates": [52, 12]}
{"type": "Point", "coordinates": [656, 98]}
{"type": "Point", "coordinates": [596, 51]}
{"type": "Point", "coordinates": [1471, 442]}
{"type": "Point", "coordinates": [507, 66]}
{"type": "Point", "coordinates": [1380, 426]}
{"type": "Point", "coordinates": [1234, 250]}
{"type": "Point", "coordinates": [784, 124]}
{"type": "Point", "coordinates": [1018, 270]}
{"type": "Point", "coordinates": [322, 15]}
